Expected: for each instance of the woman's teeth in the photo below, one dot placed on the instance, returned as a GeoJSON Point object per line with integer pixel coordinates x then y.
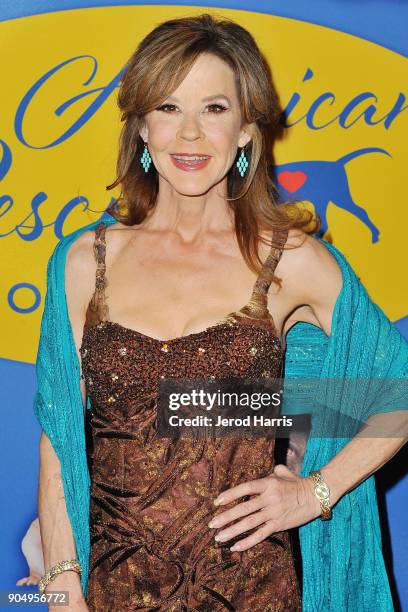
{"type": "Point", "coordinates": [190, 157]}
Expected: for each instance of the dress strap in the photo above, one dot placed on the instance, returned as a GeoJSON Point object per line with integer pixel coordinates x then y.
{"type": "Point", "coordinates": [257, 306]}
{"type": "Point", "coordinates": [98, 310]}
{"type": "Point", "coordinates": [268, 269]}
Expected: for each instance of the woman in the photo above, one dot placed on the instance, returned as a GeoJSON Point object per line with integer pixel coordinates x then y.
{"type": "Point", "coordinates": [200, 225]}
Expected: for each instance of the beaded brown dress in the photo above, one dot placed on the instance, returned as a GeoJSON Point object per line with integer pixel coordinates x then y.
{"type": "Point", "coordinates": [152, 497]}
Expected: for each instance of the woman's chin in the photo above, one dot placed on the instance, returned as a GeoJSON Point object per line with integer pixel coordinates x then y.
{"type": "Point", "coordinates": [192, 188]}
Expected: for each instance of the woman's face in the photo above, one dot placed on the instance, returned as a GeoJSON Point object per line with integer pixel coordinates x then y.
{"type": "Point", "coordinates": [202, 119]}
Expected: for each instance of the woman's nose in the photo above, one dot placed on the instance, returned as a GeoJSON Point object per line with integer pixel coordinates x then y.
{"type": "Point", "coordinates": [190, 128]}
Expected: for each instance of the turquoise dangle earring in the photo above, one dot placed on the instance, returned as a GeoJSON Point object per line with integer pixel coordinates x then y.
{"type": "Point", "coordinates": [242, 163]}
{"type": "Point", "coordinates": [145, 159]}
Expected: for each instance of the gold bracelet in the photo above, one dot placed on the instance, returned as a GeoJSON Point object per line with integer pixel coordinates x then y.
{"type": "Point", "coordinates": [322, 492]}
{"type": "Point", "coordinates": [61, 566]}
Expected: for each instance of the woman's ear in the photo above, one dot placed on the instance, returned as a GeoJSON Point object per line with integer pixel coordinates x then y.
{"type": "Point", "coordinates": [144, 132]}
{"type": "Point", "coordinates": [245, 135]}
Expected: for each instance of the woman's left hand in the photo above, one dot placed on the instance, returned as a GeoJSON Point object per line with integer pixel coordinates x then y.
{"type": "Point", "coordinates": [278, 502]}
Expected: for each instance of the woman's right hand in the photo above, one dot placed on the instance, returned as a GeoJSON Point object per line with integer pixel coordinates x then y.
{"type": "Point", "coordinates": [68, 581]}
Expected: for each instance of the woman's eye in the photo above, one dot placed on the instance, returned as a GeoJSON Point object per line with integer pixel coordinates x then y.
{"type": "Point", "coordinates": [217, 108]}
{"type": "Point", "coordinates": [167, 108]}
{"type": "Point", "coordinates": [213, 108]}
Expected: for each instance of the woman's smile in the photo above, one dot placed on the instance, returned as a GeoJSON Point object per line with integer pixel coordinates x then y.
{"type": "Point", "coordinates": [190, 161]}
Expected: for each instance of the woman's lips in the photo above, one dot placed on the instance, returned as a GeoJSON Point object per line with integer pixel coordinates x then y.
{"type": "Point", "coordinates": [188, 163]}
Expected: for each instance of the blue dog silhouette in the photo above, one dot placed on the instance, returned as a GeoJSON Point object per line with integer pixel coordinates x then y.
{"type": "Point", "coordinates": [321, 182]}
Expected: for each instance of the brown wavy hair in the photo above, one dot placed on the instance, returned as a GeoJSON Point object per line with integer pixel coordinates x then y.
{"type": "Point", "coordinates": [152, 73]}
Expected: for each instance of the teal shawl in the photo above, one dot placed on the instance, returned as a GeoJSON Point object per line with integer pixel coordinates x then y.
{"type": "Point", "coordinates": [343, 565]}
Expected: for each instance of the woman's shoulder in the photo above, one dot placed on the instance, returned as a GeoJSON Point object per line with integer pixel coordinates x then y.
{"type": "Point", "coordinates": [80, 270]}
{"type": "Point", "coordinates": [81, 254]}
{"type": "Point", "coordinates": [308, 267]}
{"type": "Point", "coordinates": [80, 251]}
{"type": "Point", "coordinates": [305, 253]}
{"type": "Point", "coordinates": [82, 244]}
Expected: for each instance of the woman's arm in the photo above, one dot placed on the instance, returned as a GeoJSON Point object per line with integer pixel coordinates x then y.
{"type": "Point", "coordinates": [284, 500]}
{"type": "Point", "coordinates": [366, 452]}
{"type": "Point", "coordinates": [56, 533]}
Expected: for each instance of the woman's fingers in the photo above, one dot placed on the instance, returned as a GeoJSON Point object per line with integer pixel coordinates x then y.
{"type": "Point", "coordinates": [237, 512]}
{"type": "Point", "coordinates": [249, 522]}
{"type": "Point", "coordinates": [259, 536]}
{"type": "Point", "coordinates": [252, 487]}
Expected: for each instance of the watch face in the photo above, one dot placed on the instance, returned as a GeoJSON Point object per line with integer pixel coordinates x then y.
{"type": "Point", "coordinates": [322, 491]}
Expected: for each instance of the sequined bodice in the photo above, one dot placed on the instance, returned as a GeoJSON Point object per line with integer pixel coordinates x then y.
{"type": "Point", "coordinates": [151, 497]}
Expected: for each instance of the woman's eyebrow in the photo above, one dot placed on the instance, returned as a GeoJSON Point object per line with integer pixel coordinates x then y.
{"type": "Point", "coordinates": [206, 99]}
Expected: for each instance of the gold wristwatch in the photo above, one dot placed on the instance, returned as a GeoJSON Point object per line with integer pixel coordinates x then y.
{"type": "Point", "coordinates": [322, 492]}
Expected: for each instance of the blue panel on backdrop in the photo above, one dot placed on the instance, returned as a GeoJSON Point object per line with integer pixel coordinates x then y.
{"type": "Point", "coordinates": [383, 22]}
{"type": "Point", "coordinates": [19, 435]}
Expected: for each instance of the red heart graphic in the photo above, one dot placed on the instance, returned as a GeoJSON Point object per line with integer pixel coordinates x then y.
{"type": "Point", "coordinates": [292, 181]}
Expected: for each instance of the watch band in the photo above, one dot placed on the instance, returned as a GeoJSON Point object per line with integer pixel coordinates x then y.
{"type": "Point", "coordinates": [322, 492]}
